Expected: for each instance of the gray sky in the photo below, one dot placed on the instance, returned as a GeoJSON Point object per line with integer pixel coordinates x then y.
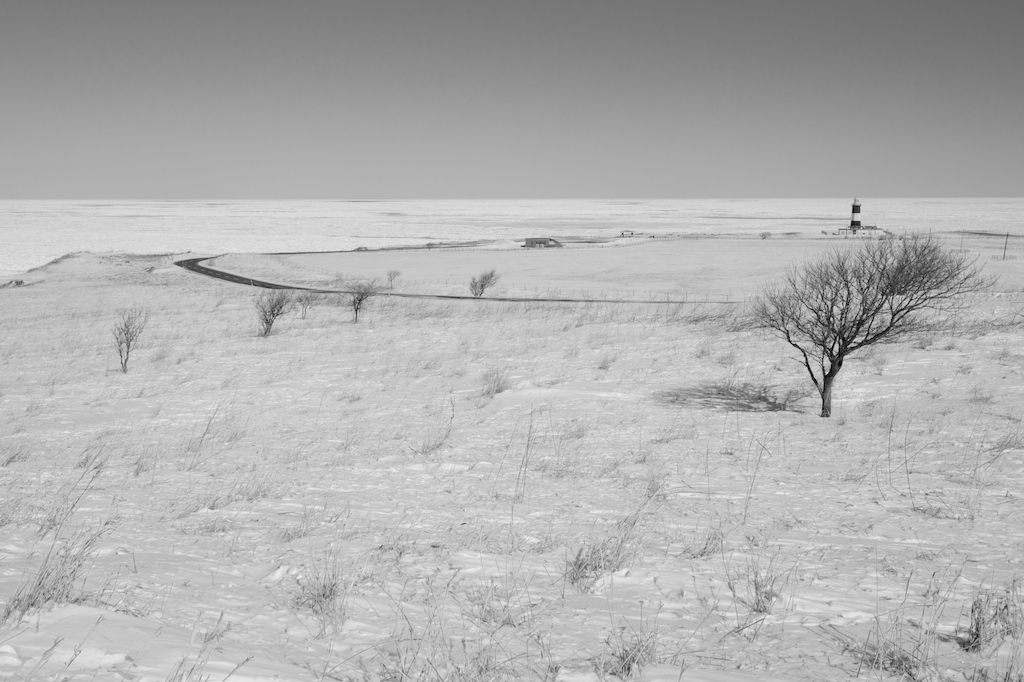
{"type": "Point", "coordinates": [249, 99]}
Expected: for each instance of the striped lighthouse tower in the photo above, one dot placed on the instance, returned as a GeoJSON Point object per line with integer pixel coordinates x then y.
{"type": "Point", "coordinates": [855, 219]}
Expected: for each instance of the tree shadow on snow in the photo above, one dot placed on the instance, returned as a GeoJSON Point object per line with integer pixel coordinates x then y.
{"type": "Point", "coordinates": [734, 397]}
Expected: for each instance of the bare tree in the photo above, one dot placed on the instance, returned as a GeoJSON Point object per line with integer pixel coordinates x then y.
{"type": "Point", "coordinates": [307, 299]}
{"type": "Point", "coordinates": [127, 330]}
{"type": "Point", "coordinates": [852, 298]}
{"type": "Point", "coordinates": [392, 276]}
{"type": "Point", "coordinates": [478, 285]}
{"type": "Point", "coordinates": [359, 295]}
{"type": "Point", "coordinates": [270, 305]}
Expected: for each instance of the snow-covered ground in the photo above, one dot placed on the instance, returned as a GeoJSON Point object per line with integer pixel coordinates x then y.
{"type": "Point", "coordinates": [474, 490]}
{"type": "Point", "coordinates": [35, 232]}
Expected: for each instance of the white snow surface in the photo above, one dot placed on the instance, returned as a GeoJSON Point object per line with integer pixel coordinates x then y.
{"type": "Point", "coordinates": [36, 232]}
{"type": "Point", "coordinates": [211, 493]}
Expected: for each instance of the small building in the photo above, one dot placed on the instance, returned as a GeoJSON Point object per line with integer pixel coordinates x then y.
{"type": "Point", "coordinates": [541, 243]}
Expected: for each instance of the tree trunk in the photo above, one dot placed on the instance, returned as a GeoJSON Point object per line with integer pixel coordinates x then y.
{"type": "Point", "coordinates": [826, 394]}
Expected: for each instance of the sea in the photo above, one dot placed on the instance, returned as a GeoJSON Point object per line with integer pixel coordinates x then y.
{"type": "Point", "coordinates": [33, 233]}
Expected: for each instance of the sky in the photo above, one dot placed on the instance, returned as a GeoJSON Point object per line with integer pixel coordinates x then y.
{"type": "Point", "coordinates": [517, 99]}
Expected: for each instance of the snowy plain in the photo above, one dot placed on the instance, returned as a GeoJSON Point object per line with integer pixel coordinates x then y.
{"type": "Point", "coordinates": [35, 232]}
{"type": "Point", "coordinates": [481, 490]}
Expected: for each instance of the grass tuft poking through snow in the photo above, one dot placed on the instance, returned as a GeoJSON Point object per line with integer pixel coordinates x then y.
{"type": "Point", "coordinates": [995, 615]}
{"type": "Point", "coordinates": [323, 589]}
{"type": "Point", "coordinates": [600, 557]}
{"type": "Point", "coordinates": [484, 490]}
{"type": "Point", "coordinates": [57, 578]}
{"type": "Point", "coordinates": [191, 667]}
{"type": "Point", "coordinates": [496, 380]}
{"type": "Point", "coordinates": [759, 585]}
{"type": "Point", "coordinates": [631, 649]}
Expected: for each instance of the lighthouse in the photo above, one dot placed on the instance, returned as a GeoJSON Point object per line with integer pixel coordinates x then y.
{"type": "Point", "coordinates": [855, 218]}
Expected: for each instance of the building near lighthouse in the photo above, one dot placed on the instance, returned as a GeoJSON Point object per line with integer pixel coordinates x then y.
{"type": "Point", "coordinates": [541, 243]}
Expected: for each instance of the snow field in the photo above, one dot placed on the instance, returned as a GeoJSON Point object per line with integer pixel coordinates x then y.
{"type": "Point", "coordinates": [361, 501]}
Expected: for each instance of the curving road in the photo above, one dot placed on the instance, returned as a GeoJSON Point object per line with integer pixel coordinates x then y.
{"type": "Point", "coordinates": [193, 265]}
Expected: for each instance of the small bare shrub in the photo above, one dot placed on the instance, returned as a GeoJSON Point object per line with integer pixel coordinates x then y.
{"type": "Point", "coordinates": [359, 296]}
{"type": "Point", "coordinates": [481, 283]}
{"type": "Point", "coordinates": [127, 330]}
{"type": "Point", "coordinates": [765, 235]}
{"type": "Point", "coordinates": [270, 305]}
{"type": "Point", "coordinates": [306, 300]}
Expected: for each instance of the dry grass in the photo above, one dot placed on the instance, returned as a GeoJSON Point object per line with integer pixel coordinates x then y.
{"type": "Point", "coordinates": [602, 556]}
{"type": "Point", "coordinates": [424, 646]}
{"type": "Point", "coordinates": [467, 533]}
{"type": "Point", "coordinates": [704, 543]}
{"type": "Point", "coordinates": [323, 589]}
{"type": "Point", "coordinates": [995, 615]}
{"type": "Point", "coordinates": [57, 578]}
{"type": "Point", "coordinates": [630, 650]}
{"type": "Point", "coordinates": [191, 667]}
{"type": "Point", "coordinates": [496, 380]}
{"type": "Point", "coordinates": [759, 585]}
